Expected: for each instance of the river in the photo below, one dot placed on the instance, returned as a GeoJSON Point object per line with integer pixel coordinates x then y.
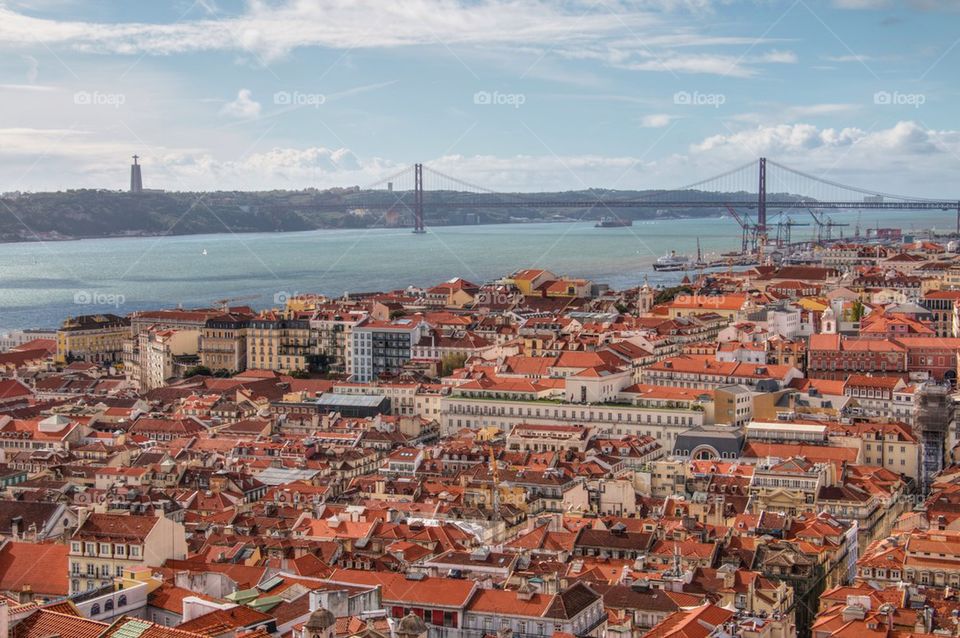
{"type": "Point", "coordinates": [41, 283]}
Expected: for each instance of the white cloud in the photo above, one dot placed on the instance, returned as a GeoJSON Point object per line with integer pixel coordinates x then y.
{"type": "Point", "coordinates": [777, 57]}
{"type": "Point", "coordinates": [861, 4]}
{"type": "Point", "coordinates": [658, 120]}
{"type": "Point", "coordinates": [816, 110]}
{"type": "Point", "coordinates": [244, 107]}
{"type": "Point", "coordinates": [26, 87]}
{"type": "Point", "coordinates": [905, 158]}
{"type": "Point", "coordinates": [275, 29]}
{"type": "Point", "coordinates": [631, 35]}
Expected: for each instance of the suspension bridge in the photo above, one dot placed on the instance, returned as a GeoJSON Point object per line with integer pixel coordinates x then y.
{"type": "Point", "coordinates": [754, 195]}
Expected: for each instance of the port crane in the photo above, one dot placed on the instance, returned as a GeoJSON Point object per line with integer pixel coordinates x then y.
{"type": "Point", "coordinates": [750, 231]}
{"type": "Point", "coordinates": [784, 228]}
{"type": "Point", "coordinates": [825, 226]}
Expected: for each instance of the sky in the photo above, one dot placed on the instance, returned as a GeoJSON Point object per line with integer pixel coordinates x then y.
{"type": "Point", "coordinates": [510, 94]}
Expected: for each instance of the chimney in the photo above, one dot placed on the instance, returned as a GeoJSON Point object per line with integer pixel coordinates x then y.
{"type": "Point", "coordinates": [16, 525]}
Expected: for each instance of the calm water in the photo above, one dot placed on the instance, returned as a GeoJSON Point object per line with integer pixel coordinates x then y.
{"type": "Point", "coordinates": [40, 284]}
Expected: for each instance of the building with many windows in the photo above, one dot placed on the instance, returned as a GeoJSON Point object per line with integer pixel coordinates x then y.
{"type": "Point", "coordinates": [278, 343]}
{"type": "Point", "coordinates": [105, 545]}
{"type": "Point", "coordinates": [92, 338]}
{"type": "Point", "coordinates": [383, 347]}
{"type": "Point", "coordinates": [223, 343]}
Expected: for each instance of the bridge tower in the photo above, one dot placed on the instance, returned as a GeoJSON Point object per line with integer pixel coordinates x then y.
{"type": "Point", "coordinates": [762, 203]}
{"type": "Point", "coordinates": [418, 199]}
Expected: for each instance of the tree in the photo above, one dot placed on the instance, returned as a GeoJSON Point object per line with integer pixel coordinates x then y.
{"type": "Point", "coordinates": [668, 294]}
{"type": "Point", "coordinates": [197, 371]}
{"type": "Point", "coordinates": [858, 310]}
{"type": "Point", "coordinates": [451, 362]}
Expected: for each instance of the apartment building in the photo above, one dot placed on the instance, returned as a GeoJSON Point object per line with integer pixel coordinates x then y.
{"type": "Point", "coordinates": [458, 411]}
{"type": "Point", "coordinates": [104, 546]}
{"type": "Point", "coordinates": [333, 331]}
{"type": "Point", "coordinates": [223, 343]}
{"type": "Point", "coordinates": [281, 344]}
{"type": "Point", "coordinates": [383, 347]}
{"type": "Point", "coordinates": [167, 354]}
{"type": "Point", "coordinates": [92, 338]}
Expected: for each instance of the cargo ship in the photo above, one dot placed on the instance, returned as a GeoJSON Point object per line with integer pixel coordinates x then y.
{"type": "Point", "coordinates": [613, 222]}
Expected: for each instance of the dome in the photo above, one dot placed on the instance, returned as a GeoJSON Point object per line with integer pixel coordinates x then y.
{"type": "Point", "coordinates": [321, 619]}
{"type": "Point", "coordinates": [411, 624]}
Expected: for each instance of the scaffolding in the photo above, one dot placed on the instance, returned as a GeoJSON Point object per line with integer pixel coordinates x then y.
{"type": "Point", "coordinates": [934, 420]}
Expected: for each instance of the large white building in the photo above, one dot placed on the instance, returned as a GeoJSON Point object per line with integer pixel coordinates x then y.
{"type": "Point", "coordinates": [383, 346]}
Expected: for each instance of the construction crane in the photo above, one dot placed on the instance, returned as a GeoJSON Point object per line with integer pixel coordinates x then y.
{"type": "Point", "coordinates": [824, 228]}
{"type": "Point", "coordinates": [224, 304]}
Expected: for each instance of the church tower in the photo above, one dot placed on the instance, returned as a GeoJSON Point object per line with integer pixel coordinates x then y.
{"type": "Point", "coordinates": [320, 624]}
{"type": "Point", "coordinates": [644, 298]}
{"type": "Point", "coordinates": [828, 322]}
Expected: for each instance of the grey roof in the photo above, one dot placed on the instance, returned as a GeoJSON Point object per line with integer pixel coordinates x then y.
{"type": "Point", "coordinates": [280, 475]}
{"type": "Point", "coordinates": [725, 440]}
{"type": "Point", "coordinates": [351, 400]}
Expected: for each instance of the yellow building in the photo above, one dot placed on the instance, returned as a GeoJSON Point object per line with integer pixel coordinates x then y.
{"type": "Point", "coordinates": [527, 280]}
{"type": "Point", "coordinates": [92, 338]}
{"type": "Point", "coordinates": [733, 307]}
{"type": "Point", "coordinates": [223, 343]}
{"type": "Point", "coordinates": [279, 344]}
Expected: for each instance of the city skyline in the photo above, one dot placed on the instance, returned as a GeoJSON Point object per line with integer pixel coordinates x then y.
{"type": "Point", "coordinates": [515, 96]}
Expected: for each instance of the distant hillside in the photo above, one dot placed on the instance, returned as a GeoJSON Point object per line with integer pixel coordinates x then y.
{"type": "Point", "coordinates": [99, 213]}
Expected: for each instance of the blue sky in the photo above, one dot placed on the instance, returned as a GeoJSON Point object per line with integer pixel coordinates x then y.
{"type": "Point", "coordinates": [511, 94]}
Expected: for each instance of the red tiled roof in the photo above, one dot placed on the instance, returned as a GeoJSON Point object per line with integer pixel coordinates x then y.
{"type": "Point", "coordinates": [43, 567]}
